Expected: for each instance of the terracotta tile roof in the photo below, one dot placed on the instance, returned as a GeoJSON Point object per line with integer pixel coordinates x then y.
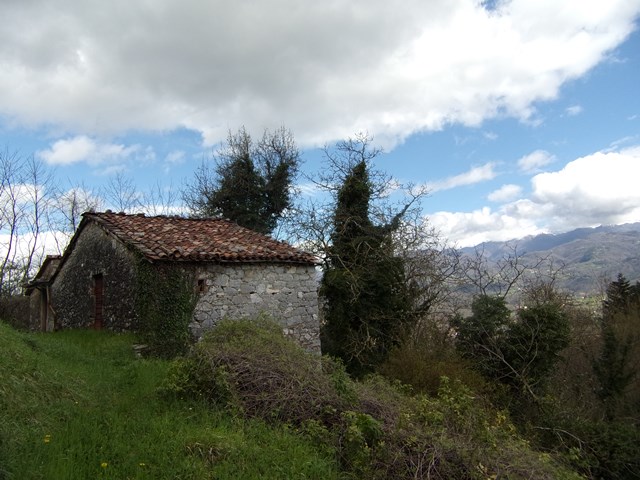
{"type": "Point", "coordinates": [189, 239]}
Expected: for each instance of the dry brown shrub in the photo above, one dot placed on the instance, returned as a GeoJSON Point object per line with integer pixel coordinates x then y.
{"type": "Point", "coordinates": [375, 429]}
{"type": "Point", "coordinates": [250, 367]}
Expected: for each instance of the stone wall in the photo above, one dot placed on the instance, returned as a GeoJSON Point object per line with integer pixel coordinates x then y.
{"type": "Point", "coordinates": [288, 293]}
{"type": "Point", "coordinates": [96, 253]}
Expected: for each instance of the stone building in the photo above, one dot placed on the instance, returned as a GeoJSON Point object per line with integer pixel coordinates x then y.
{"type": "Point", "coordinates": [233, 272]}
{"type": "Point", "coordinates": [40, 311]}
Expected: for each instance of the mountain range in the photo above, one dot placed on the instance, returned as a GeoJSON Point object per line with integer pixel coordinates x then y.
{"type": "Point", "coordinates": [592, 257]}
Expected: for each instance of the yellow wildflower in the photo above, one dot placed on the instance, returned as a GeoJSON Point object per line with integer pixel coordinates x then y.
{"type": "Point", "coordinates": [104, 464]}
{"type": "Point", "coordinates": [47, 438]}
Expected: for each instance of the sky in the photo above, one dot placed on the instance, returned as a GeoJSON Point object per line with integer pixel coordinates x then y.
{"type": "Point", "coordinates": [520, 117]}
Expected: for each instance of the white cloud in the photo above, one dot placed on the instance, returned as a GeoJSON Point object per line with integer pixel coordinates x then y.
{"type": "Point", "coordinates": [490, 135]}
{"type": "Point", "coordinates": [466, 229]}
{"type": "Point", "coordinates": [574, 110]}
{"type": "Point", "coordinates": [535, 160]}
{"type": "Point", "coordinates": [66, 152]}
{"type": "Point", "coordinates": [323, 69]}
{"type": "Point", "coordinates": [308, 189]}
{"type": "Point", "coordinates": [505, 193]}
{"type": "Point", "coordinates": [175, 157]}
{"type": "Point", "coordinates": [598, 189]}
{"type": "Point", "coordinates": [474, 175]}
{"type": "Point", "coordinates": [84, 149]}
{"type": "Point", "coordinates": [20, 195]}
{"type": "Point", "coordinates": [50, 242]}
{"type": "Point", "coordinates": [621, 143]}
{"type": "Point", "coordinates": [111, 170]}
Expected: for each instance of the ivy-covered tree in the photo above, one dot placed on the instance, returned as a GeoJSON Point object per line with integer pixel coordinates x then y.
{"type": "Point", "coordinates": [251, 182]}
{"type": "Point", "coordinates": [366, 298]}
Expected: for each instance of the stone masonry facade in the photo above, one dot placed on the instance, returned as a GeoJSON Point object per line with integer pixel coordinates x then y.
{"type": "Point", "coordinates": [288, 293]}
{"type": "Point", "coordinates": [236, 273]}
{"type": "Point", "coordinates": [95, 253]}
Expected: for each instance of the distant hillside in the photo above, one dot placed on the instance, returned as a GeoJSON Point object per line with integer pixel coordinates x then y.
{"type": "Point", "coordinates": [590, 255]}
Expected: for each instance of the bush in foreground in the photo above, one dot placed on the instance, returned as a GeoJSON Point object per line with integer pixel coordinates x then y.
{"type": "Point", "coordinates": [374, 429]}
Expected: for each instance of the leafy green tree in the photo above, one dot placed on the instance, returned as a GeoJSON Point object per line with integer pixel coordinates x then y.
{"type": "Point", "coordinates": [367, 299]}
{"type": "Point", "coordinates": [519, 351]}
{"type": "Point", "coordinates": [251, 182]}
{"type": "Point", "coordinates": [533, 344]}
{"type": "Point", "coordinates": [480, 336]}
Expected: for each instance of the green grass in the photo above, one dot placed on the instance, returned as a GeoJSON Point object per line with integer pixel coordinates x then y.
{"type": "Point", "coordinates": [79, 405]}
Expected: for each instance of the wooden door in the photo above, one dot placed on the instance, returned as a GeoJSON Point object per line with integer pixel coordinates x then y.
{"type": "Point", "coordinates": [98, 301]}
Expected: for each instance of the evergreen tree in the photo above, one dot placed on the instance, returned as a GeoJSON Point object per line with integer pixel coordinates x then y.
{"type": "Point", "coordinates": [518, 351]}
{"type": "Point", "coordinates": [367, 300]}
{"type": "Point", "coordinates": [250, 183]}
{"type": "Point", "coordinates": [619, 328]}
{"type": "Point", "coordinates": [239, 195]}
{"type": "Point", "coordinates": [532, 345]}
{"type": "Point", "coordinates": [479, 337]}
{"type": "Point", "coordinates": [621, 296]}
{"type": "Point", "coordinates": [612, 370]}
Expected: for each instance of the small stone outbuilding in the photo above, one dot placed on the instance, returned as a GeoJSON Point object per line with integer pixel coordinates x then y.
{"type": "Point", "coordinates": [234, 272]}
{"type": "Point", "coordinates": [38, 290]}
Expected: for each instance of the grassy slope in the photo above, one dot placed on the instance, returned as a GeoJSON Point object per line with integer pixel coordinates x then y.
{"type": "Point", "coordinates": [78, 405]}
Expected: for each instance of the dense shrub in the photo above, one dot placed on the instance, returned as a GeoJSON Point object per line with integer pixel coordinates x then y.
{"type": "Point", "coordinates": [598, 449]}
{"type": "Point", "coordinates": [425, 358]}
{"type": "Point", "coordinates": [375, 429]}
{"type": "Point", "coordinates": [611, 450]}
{"type": "Point", "coordinates": [251, 368]}
{"type": "Point", "coordinates": [15, 311]}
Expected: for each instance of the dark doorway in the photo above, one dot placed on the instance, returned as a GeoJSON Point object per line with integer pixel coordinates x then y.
{"type": "Point", "coordinates": [44, 307]}
{"type": "Point", "coordinates": [98, 301]}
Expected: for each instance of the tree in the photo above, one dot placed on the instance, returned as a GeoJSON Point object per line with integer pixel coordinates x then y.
{"type": "Point", "coordinates": [25, 202]}
{"type": "Point", "coordinates": [38, 197]}
{"type": "Point", "coordinates": [621, 296]}
{"type": "Point", "coordinates": [519, 351]}
{"type": "Point", "coordinates": [121, 193]}
{"type": "Point", "coordinates": [480, 337]}
{"type": "Point", "coordinates": [533, 344]}
{"type": "Point", "coordinates": [251, 183]}
{"type": "Point", "coordinates": [160, 200]}
{"type": "Point", "coordinates": [500, 276]}
{"type": "Point", "coordinates": [367, 298]}
{"type": "Point", "coordinates": [11, 217]}
{"type": "Point", "coordinates": [68, 206]}
{"type": "Point", "coordinates": [615, 367]}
